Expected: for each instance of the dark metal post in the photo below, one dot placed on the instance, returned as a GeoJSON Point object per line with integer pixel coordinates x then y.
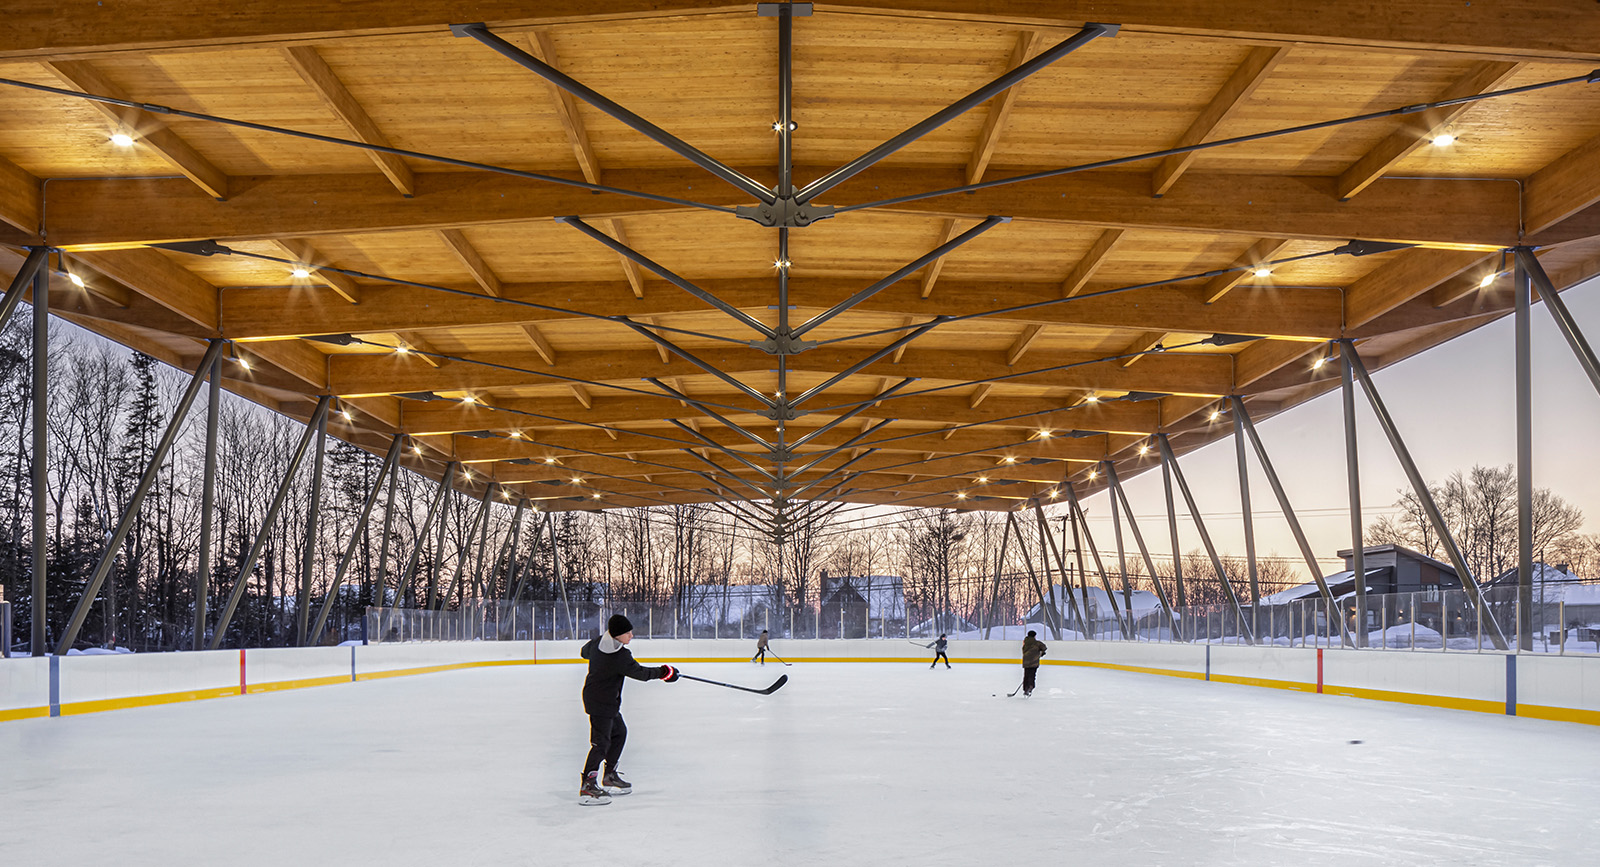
{"type": "Point", "coordinates": [379, 581]}
{"type": "Point", "coordinates": [1288, 512]}
{"type": "Point", "coordinates": [389, 461]}
{"type": "Point", "coordinates": [1352, 461]}
{"type": "Point", "coordinates": [208, 502]}
{"type": "Point", "coordinates": [1249, 525]}
{"type": "Point", "coordinates": [1177, 554]}
{"type": "Point", "coordinates": [242, 580]}
{"type": "Point", "coordinates": [1118, 495]}
{"type": "Point", "coordinates": [464, 553]}
{"type": "Point", "coordinates": [41, 469]}
{"type": "Point", "coordinates": [999, 569]}
{"type": "Point", "coordinates": [130, 512]}
{"type": "Point", "coordinates": [1522, 281]}
{"type": "Point", "coordinates": [1558, 311]}
{"type": "Point", "coordinates": [1081, 519]}
{"type": "Point", "coordinates": [308, 556]}
{"type": "Point", "coordinates": [1170, 458]}
{"type": "Point", "coordinates": [533, 551]}
{"type": "Point", "coordinates": [20, 282]}
{"type": "Point", "coordinates": [509, 555]}
{"type": "Point", "coordinates": [1122, 561]}
{"type": "Point", "coordinates": [446, 494]}
{"type": "Point", "coordinates": [1420, 488]}
{"type": "Point", "coordinates": [1047, 607]}
{"type": "Point", "coordinates": [1080, 614]}
{"type": "Point", "coordinates": [483, 545]}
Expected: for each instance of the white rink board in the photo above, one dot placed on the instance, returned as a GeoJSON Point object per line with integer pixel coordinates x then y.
{"type": "Point", "coordinates": [847, 764]}
{"type": "Point", "coordinates": [24, 683]}
{"type": "Point", "coordinates": [104, 678]}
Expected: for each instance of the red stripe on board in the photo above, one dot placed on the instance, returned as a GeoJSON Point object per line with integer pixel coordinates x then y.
{"type": "Point", "coordinates": [242, 688]}
{"type": "Point", "coordinates": [1319, 669]}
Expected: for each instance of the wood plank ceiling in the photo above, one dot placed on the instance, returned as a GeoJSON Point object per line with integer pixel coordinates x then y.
{"type": "Point", "coordinates": [463, 307]}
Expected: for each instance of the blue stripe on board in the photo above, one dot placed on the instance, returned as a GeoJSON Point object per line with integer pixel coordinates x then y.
{"type": "Point", "coordinates": [55, 686]}
{"type": "Point", "coordinates": [1511, 684]}
{"type": "Point", "coordinates": [1208, 662]}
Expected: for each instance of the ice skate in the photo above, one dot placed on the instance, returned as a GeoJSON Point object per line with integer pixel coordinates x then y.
{"type": "Point", "coordinates": [614, 783]}
{"type": "Point", "coordinates": [590, 794]}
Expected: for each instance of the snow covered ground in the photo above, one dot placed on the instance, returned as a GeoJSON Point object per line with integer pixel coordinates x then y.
{"type": "Point", "coordinates": [848, 764]}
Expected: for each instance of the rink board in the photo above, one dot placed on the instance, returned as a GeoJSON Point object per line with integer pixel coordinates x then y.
{"type": "Point", "coordinates": [1547, 687]}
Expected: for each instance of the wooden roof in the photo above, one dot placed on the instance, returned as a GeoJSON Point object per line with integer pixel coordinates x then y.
{"type": "Point", "coordinates": [518, 360]}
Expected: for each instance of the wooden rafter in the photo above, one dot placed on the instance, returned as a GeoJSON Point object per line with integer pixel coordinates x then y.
{"type": "Point", "coordinates": [322, 79]}
{"type": "Point", "coordinates": [1259, 252]}
{"type": "Point", "coordinates": [1099, 251]}
{"type": "Point", "coordinates": [1256, 67]}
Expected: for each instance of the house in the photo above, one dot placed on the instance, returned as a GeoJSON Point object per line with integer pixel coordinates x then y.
{"type": "Point", "coordinates": [724, 610]}
{"type": "Point", "coordinates": [862, 606]}
{"type": "Point", "coordinates": [1100, 612]}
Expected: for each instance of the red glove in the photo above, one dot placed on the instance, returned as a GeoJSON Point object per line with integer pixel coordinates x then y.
{"type": "Point", "coordinates": [668, 673]}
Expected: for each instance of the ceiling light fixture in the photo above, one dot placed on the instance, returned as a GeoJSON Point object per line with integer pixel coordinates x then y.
{"type": "Point", "coordinates": [75, 279]}
{"type": "Point", "coordinates": [299, 273]}
{"type": "Point", "coordinates": [122, 139]}
{"type": "Point", "coordinates": [1444, 140]}
{"type": "Point", "coordinates": [1262, 273]}
{"type": "Point", "coordinates": [1487, 279]}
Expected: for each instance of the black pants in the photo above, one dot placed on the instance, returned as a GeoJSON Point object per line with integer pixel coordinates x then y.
{"type": "Point", "coordinates": [1029, 673]}
{"type": "Point", "coordinates": [607, 734]}
{"type": "Point", "coordinates": [938, 655]}
{"type": "Point", "coordinates": [761, 654]}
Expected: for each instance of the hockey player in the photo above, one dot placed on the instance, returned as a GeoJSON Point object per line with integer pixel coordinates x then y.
{"type": "Point", "coordinates": [1032, 651]}
{"type": "Point", "coordinates": [609, 662]}
{"type": "Point", "coordinates": [938, 652]}
{"type": "Point", "coordinates": [761, 649]}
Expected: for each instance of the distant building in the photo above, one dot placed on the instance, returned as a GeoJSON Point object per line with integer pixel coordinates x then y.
{"type": "Point", "coordinates": [858, 606]}
{"type": "Point", "coordinates": [1102, 612]}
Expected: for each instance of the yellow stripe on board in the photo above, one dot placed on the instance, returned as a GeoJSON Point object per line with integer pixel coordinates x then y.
{"type": "Point", "coordinates": [24, 713]}
{"type": "Point", "coordinates": [104, 704]}
{"type": "Point", "coordinates": [453, 666]}
{"type": "Point", "coordinates": [1560, 714]}
{"type": "Point", "coordinates": [275, 685]}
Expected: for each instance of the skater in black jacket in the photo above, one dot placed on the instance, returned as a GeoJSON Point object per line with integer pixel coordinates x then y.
{"type": "Point", "coordinates": [1033, 650]}
{"type": "Point", "coordinates": [609, 662]}
{"type": "Point", "coordinates": [938, 652]}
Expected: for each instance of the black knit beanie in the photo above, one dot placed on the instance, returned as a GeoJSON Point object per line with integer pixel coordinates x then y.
{"type": "Point", "coordinates": [618, 625]}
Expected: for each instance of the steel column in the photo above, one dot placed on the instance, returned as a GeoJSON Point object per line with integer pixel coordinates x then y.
{"type": "Point", "coordinates": [37, 258]}
{"type": "Point", "coordinates": [999, 568]}
{"type": "Point", "coordinates": [1420, 488]}
{"type": "Point", "coordinates": [1554, 304]}
{"type": "Point", "coordinates": [1122, 560]}
{"type": "Point", "coordinates": [408, 575]}
{"type": "Point", "coordinates": [1205, 537]}
{"type": "Point", "coordinates": [208, 500]}
{"type": "Point", "coordinates": [389, 461]}
{"type": "Point", "coordinates": [431, 602]}
{"type": "Point", "coordinates": [533, 550]}
{"type": "Point", "coordinates": [1352, 461]}
{"type": "Point", "coordinates": [1522, 285]}
{"type": "Point", "coordinates": [1288, 512]}
{"type": "Point", "coordinates": [510, 552]}
{"type": "Point", "coordinates": [1118, 495]}
{"type": "Point", "coordinates": [130, 512]}
{"type": "Point", "coordinates": [1047, 609]}
{"type": "Point", "coordinates": [308, 555]}
{"type": "Point", "coordinates": [1177, 554]}
{"type": "Point", "coordinates": [464, 554]}
{"type": "Point", "coordinates": [1078, 612]}
{"type": "Point", "coordinates": [379, 581]}
{"type": "Point", "coordinates": [40, 466]}
{"type": "Point", "coordinates": [1249, 524]}
{"type": "Point", "coordinates": [1080, 519]}
{"type": "Point", "coordinates": [241, 580]}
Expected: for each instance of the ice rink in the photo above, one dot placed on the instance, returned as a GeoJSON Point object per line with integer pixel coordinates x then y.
{"type": "Point", "coordinates": [848, 764]}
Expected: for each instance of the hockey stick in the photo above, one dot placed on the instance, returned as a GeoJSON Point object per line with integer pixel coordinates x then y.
{"type": "Point", "coordinates": [778, 658]}
{"type": "Point", "coordinates": [768, 691]}
{"type": "Point", "coordinates": [1018, 689]}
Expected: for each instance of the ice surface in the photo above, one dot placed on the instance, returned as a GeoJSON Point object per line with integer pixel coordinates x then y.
{"type": "Point", "coordinates": [848, 764]}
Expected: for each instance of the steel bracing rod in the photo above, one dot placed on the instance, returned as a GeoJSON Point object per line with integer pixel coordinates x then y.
{"type": "Point", "coordinates": [785, 103]}
{"type": "Point", "coordinates": [901, 273]}
{"type": "Point", "coordinates": [783, 312]}
{"type": "Point", "coordinates": [1047, 607]}
{"type": "Point", "coordinates": [507, 553]}
{"type": "Point", "coordinates": [1419, 487]}
{"type": "Point", "coordinates": [513, 583]}
{"type": "Point", "coordinates": [765, 494]}
{"type": "Point", "coordinates": [390, 459]}
{"type": "Point", "coordinates": [1521, 285]}
{"type": "Point", "coordinates": [1077, 516]}
{"type": "Point", "coordinates": [39, 466]}
{"type": "Point", "coordinates": [408, 575]}
{"type": "Point", "coordinates": [438, 550]}
{"type": "Point", "coordinates": [308, 551]}
{"type": "Point", "coordinates": [1171, 457]}
{"type": "Point", "coordinates": [738, 180]}
{"type": "Point", "coordinates": [697, 404]}
{"type": "Point", "coordinates": [379, 582]}
{"type": "Point", "coordinates": [577, 423]}
{"type": "Point", "coordinates": [1288, 512]}
{"type": "Point", "coordinates": [836, 449]}
{"type": "Point", "coordinates": [706, 366]}
{"type": "Point", "coordinates": [943, 116]}
{"type": "Point", "coordinates": [749, 523]}
{"type": "Point", "coordinates": [208, 500]}
{"type": "Point", "coordinates": [668, 275]}
{"type": "Point", "coordinates": [37, 257]}
{"type": "Point", "coordinates": [212, 248]}
{"type": "Point", "coordinates": [1249, 522]}
{"type": "Point", "coordinates": [1217, 143]}
{"type": "Point", "coordinates": [241, 580]}
{"type": "Point", "coordinates": [711, 443]}
{"type": "Point", "coordinates": [860, 408]}
{"type": "Point", "coordinates": [853, 369]}
{"type": "Point", "coordinates": [361, 145]}
{"type": "Point", "coordinates": [805, 523]}
{"type": "Point", "coordinates": [999, 567]}
{"type": "Point", "coordinates": [831, 473]}
{"type": "Point", "coordinates": [1122, 559]}
{"type": "Point", "coordinates": [1352, 462]}
{"type": "Point", "coordinates": [1061, 565]}
{"type": "Point", "coordinates": [1101, 293]}
{"type": "Point", "coordinates": [1553, 303]}
{"type": "Point", "coordinates": [512, 594]}
{"type": "Point", "coordinates": [464, 553]}
{"type": "Point", "coordinates": [760, 511]}
{"type": "Point", "coordinates": [130, 512]}
{"type": "Point", "coordinates": [1120, 496]}
{"type": "Point", "coordinates": [483, 544]}
{"type": "Point", "coordinates": [968, 383]}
